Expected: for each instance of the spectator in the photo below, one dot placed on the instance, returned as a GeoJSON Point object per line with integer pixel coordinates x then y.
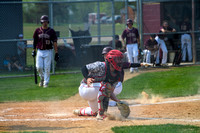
{"type": "Point", "coordinates": [151, 48]}
{"type": "Point", "coordinates": [21, 50]}
{"type": "Point", "coordinates": [7, 63]}
{"type": "Point", "coordinates": [16, 64]}
{"type": "Point", "coordinates": [118, 43]}
{"type": "Point", "coordinates": [186, 40]}
{"type": "Point", "coordinates": [160, 39]}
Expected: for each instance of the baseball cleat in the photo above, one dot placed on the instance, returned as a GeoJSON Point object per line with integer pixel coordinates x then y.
{"type": "Point", "coordinates": [101, 117]}
{"type": "Point", "coordinates": [41, 83]}
{"type": "Point", "coordinates": [45, 86]}
{"type": "Point", "coordinates": [131, 70]}
{"type": "Point", "coordinates": [77, 112]}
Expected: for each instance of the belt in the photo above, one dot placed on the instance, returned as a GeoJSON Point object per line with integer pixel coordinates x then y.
{"type": "Point", "coordinates": [44, 49]}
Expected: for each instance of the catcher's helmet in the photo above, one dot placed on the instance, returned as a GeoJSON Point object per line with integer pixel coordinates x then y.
{"type": "Point", "coordinates": [44, 18]}
{"type": "Point", "coordinates": [129, 21]}
{"type": "Point", "coordinates": [114, 57]}
{"type": "Point", "coordinates": [106, 50]}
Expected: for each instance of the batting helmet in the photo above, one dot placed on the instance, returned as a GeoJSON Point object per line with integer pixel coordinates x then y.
{"type": "Point", "coordinates": [44, 18]}
{"type": "Point", "coordinates": [129, 21]}
{"type": "Point", "coordinates": [114, 57]}
{"type": "Point", "coordinates": [106, 50]}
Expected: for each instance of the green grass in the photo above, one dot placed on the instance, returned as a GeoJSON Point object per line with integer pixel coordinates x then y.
{"type": "Point", "coordinates": [23, 89]}
{"type": "Point", "coordinates": [181, 81]}
{"type": "Point", "coordinates": [168, 128]}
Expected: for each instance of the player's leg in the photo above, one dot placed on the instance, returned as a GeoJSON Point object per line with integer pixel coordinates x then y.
{"type": "Point", "coordinates": [135, 55]}
{"type": "Point", "coordinates": [183, 48]}
{"type": "Point", "coordinates": [47, 66]}
{"type": "Point", "coordinates": [117, 91]}
{"type": "Point", "coordinates": [189, 48]}
{"type": "Point", "coordinates": [88, 111]}
{"type": "Point", "coordinates": [103, 99]}
{"type": "Point", "coordinates": [158, 53]}
{"type": "Point", "coordinates": [129, 48]}
{"type": "Point", "coordinates": [148, 56]}
{"type": "Point", "coordinates": [89, 93]}
{"type": "Point", "coordinates": [145, 56]}
{"type": "Point", "coordinates": [39, 66]}
{"type": "Point", "coordinates": [165, 51]}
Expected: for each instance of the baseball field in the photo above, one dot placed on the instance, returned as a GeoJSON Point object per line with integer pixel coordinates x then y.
{"type": "Point", "coordinates": [161, 100]}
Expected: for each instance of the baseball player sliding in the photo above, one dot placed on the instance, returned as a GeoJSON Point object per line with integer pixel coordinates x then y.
{"type": "Point", "coordinates": [100, 81]}
{"type": "Point", "coordinates": [44, 40]}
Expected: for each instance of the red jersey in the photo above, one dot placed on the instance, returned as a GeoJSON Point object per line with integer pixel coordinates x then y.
{"type": "Point", "coordinates": [44, 38]}
{"type": "Point", "coordinates": [131, 35]}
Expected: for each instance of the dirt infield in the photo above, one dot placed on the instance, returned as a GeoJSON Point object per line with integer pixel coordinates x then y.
{"type": "Point", "coordinates": [57, 116]}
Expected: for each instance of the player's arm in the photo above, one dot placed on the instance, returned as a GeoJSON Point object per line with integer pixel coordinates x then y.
{"type": "Point", "coordinates": [35, 40]}
{"type": "Point", "coordinates": [128, 65]}
{"type": "Point", "coordinates": [55, 47]}
{"type": "Point", "coordinates": [138, 38]}
{"type": "Point", "coordinates": [113, 97]}
{"type": "Point", "coordinates": [85, 72]}
{"type": "Point", "coordinates": [123, 38]}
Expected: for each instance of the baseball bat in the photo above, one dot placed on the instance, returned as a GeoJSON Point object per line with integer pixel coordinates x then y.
{"type": "Point", "coordinates": [35, 71]}
{"type": "Point", "coordinates": [146, 64]}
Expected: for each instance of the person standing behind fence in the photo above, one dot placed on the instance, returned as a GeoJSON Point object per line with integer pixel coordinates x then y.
{"type": "Point", "coordinates": [160, 39]}
{"type": "Point", "coordinates": [21, 50]}
{"type": "Point", "coordinates": [186, 40]}
{"type": "Point", "coordinates": [44, 40]}
{"type": "Point", "coordinates": [132, 43]}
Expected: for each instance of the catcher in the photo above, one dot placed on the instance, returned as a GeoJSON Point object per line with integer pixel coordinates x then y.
{"type": "Point", "coordinates": [100, 79]}
{"type": "Point", "coordinates": [151, 48]}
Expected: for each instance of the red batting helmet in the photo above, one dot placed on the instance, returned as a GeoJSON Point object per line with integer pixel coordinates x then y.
{"type": "Point", "coordinates": [114, 57]}
{"type": "Point", "coordinates": [44, 18]}
{"type": "Point", "coordinates": [129, 21]}
{"type": "Point", "coordinates": [106, 50]}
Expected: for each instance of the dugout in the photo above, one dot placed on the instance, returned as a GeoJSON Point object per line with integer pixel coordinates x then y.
{"type": "Point", "coordinates": [11, 25]}
{"type": "Point", "coordinates": [153, 12]}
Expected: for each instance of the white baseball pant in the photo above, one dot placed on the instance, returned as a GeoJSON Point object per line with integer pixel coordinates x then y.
{"type": "Point", "coordinates": [147, 56]}
{"type": "Point", "coordinates": [164, 49]}
{"type": "Point", "coordinates": [132, 53]}
{"type": "Point", "coordinates": [90, 93]}
{"type": "Point", "coordinates": [43, 64]}
{"type": "Point", "coordinates": [186, 40]}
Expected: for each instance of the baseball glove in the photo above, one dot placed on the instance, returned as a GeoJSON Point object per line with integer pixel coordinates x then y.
{"type": "Point", "coordinates": [124, 109]}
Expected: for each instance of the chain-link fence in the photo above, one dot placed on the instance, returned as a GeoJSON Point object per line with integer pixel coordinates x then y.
{"type": "Point", "coordinates": [83, 27]}
{"type": "Point", "coordinates": [181, 35]}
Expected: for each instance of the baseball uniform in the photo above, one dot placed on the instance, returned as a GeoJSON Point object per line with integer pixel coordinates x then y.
{"type": "Point", "coordinates": [43, 41]}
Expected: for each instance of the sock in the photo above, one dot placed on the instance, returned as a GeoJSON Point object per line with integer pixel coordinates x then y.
{"type": "Point", "coordinates": [87, 112]}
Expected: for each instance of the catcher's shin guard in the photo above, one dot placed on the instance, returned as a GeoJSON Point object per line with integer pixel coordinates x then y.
{"type": "Point", "coordinates": [103, 98]}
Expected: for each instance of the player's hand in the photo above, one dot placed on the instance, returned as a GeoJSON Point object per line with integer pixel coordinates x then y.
{"type": "Point", "coordinates": [56, 57]}
{"type": "Point", "coordinates": [90, 81]}
{"type": "Point", "coordinates": [33, 53]}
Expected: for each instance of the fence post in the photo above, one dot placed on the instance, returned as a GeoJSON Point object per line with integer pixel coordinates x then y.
{"type": "Point", "coordinates": [113, 23]}
{"type": "Point", "coordinates": [51, 25]}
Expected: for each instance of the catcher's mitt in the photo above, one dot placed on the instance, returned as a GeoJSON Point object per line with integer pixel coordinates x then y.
{"type": "Point", "coordinates": [124, 109]}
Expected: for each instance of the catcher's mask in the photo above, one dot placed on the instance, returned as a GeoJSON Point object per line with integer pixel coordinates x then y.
{"type": "Point", "coordinates": [44, 18]}
{"type": "Point", "coordinates": [114, 57]}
